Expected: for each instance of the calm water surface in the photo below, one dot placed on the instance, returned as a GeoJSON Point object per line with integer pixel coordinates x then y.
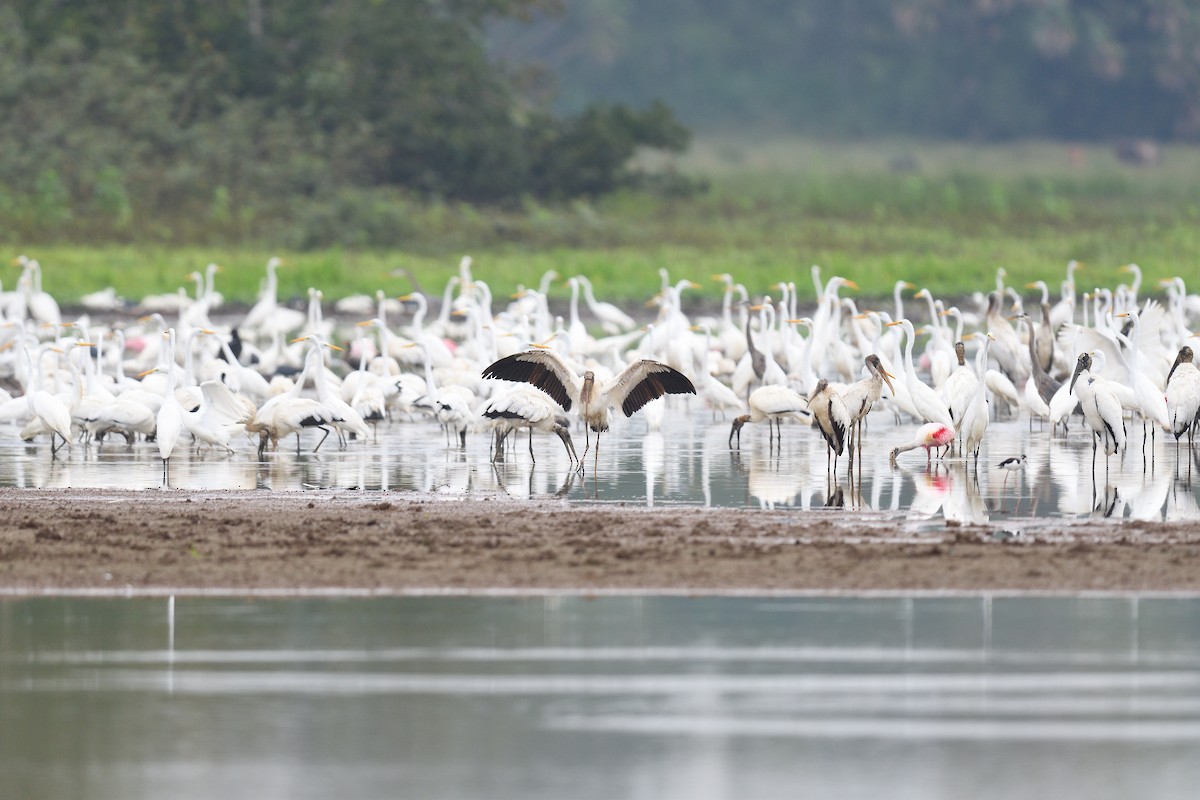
{"type": "Point", "coordinates": [600, 698]}
{"type": "Point", "coordinates": [688, 462]}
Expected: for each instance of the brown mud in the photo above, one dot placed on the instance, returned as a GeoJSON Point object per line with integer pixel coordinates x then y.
{"type": "Point", "coordinates": [404, 542]}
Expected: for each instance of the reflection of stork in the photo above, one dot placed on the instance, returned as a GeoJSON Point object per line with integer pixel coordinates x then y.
{"type": "Point", "coordinates": [638, 384]}
{"type": "Point", "coordinates": [771, 404]}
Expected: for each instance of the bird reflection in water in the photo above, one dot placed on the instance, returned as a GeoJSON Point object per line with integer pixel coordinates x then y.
{"type": "Point", "coordinates": [948, 491]}
{"type": "Point", "coordinates": [1108, 503]}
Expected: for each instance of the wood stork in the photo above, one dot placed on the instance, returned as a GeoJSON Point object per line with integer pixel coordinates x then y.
{"type": "Point", "coordinates": [833, 418]}
{"type": "Point", "coordinates": [1101, 407]}
{"type": "Point", "coordinates": [959, 388]}
{"type": "Point", "coordinates": [860, 397]}
{"type": "Point", "coordinates": [636, 385]}
{"type": "Point", "coordinates": [772, 404]}
{"type": "Point", "coordinates": [523, 406]}
{"type": "Point", "coordinates": [1183, 395]}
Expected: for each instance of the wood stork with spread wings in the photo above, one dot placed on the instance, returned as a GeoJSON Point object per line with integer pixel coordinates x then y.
{"type": "Point", "coordinates": [636, 385]}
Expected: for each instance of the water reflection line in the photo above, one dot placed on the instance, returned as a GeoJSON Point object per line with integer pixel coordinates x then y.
{"type": "Point", "coordinates": [560, 654]}
{"type": "Point", "coordinates": [887, 727]}
{"type": "Point", "coordinates": [131, 592]}
{"type": "Point", "coordinates": [664, 684]}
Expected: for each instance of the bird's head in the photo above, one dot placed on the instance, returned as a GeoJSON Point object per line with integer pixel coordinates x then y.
{"type": "Point", "coordinates": [1082, 364]}
{"type": "Point", "coordinates": [1184, 357]}
{"type": "Point", "coordinates": [738, 422]}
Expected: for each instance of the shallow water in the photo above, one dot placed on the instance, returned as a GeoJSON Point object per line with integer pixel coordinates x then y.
{"type": "Point", "coordinates": [639, 697]}
{"type": "Point", "coordinates": [688, 462]}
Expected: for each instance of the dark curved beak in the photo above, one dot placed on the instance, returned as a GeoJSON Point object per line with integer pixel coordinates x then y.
{"type": "Point", "coordinates": [565, 435]}
{"type": "Point", "coordinates": [1178, 361]}
{"type": "Point", "coordinates": [1080, 366]}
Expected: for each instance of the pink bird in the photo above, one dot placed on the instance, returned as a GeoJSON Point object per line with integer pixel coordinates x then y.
{"type": "Point", "coordinates": [931, 434]}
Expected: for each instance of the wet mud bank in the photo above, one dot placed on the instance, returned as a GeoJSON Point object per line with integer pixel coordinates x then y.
{"type": "Point", "coordinates": [400, 542]}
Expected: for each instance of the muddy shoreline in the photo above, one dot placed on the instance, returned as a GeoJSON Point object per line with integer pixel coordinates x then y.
{"type": "Point", "coordinates": [396, 542]}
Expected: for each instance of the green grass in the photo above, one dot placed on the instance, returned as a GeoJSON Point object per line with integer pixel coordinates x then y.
{"type": "Point", "coordinates": [770, 211]}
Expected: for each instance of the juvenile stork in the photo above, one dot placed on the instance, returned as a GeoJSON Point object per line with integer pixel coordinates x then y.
{"type": "Point", "coordinates": [772, 404]}
{"type": "Point", "coordinates": [636, 385]}
{"type": "Point", "coordinates": [833, 419]}
{"type": "Point", "coordinates": [860, 397]}
{"type": "Point", "coordinates": [525, 407]}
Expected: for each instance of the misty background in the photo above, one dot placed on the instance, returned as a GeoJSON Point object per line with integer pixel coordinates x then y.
{"type": "Point", "coordinates": [309, 123]}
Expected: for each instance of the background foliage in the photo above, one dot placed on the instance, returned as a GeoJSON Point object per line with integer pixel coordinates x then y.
{"type": "Point", "coordinates": [426, 129]}
{"type": "Point", "coordinates": [188, 120]}
{"type": "Point", "coordinates": [982, 69]}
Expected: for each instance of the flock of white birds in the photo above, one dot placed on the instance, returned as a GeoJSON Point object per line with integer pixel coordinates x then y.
{"type": "Point", "coordinates": [188, 375]}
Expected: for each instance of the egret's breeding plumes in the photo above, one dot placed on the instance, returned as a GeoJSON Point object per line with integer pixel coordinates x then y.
{"type": "Point", "coordinates": [636, 385]}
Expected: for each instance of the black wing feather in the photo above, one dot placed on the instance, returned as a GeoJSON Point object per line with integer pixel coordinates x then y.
{"type": "Point", "coordinates": [515, 368]}
{"type": "Point", "coordinates": [664, 380]}
{"type": "Point", "coordinates": [836, 436]}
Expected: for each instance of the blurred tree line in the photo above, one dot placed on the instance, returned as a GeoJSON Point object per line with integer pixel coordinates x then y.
{"type": "Point", "coordinates": [305, 122]}
{"type": "Point", "coordinates": [985, 69]}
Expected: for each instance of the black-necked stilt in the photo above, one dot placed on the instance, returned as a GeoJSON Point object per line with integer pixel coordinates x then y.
{"type": "Point", "coordinates": [1010, 465]}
